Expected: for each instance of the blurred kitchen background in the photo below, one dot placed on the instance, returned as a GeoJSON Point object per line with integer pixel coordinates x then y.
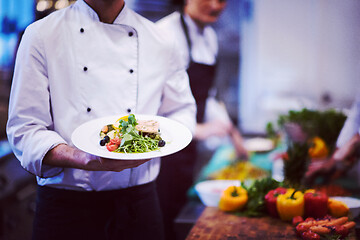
{"type": "Point", "coordinates": [274, 56]}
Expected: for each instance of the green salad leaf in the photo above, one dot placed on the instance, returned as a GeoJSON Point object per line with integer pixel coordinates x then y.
{"type": "Point", "coordinates": [132, 141]}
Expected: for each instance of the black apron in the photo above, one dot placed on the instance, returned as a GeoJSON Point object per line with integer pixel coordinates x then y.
{"type": "Point", "coordinates": [201, 77]}
{"type": "Point", "coordinates": [177, 171]}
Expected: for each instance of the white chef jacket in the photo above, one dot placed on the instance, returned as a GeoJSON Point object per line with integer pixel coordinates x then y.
{"type": "Point", "coordinates": [72, 68]}
{"type": "Point", "coordinates": [204, 41]}
{"type": "Point", "coordinates": [204, 50]}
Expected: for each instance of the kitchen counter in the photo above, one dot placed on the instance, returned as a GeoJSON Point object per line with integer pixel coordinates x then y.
{"type": "Point", "coordinates": [214, 224]}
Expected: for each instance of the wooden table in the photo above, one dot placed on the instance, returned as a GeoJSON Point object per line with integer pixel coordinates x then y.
{"type": "Point", "coordinates": [214, 224]}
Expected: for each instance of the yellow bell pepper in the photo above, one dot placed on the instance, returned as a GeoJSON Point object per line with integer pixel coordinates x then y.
{"type": "Point", "coordinates": [290, 204]}
{"type": "Point", "coordinates": [318, 148]}
{"type": "Point", "coordinates": [233, 198]}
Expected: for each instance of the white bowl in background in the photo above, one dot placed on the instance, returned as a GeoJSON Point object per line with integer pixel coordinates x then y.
{"type": "Point", "coordinates": [210, 191]}
{"type": "Point", "coordinates": [352, 203]}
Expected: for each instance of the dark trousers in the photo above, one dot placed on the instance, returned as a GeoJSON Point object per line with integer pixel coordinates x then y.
{"type": "Point", "coordinates": [129, 214]}
{"type": "Point", "coordinates": [174, 180]}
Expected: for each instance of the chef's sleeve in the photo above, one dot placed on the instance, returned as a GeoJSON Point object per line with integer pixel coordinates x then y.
{"type": "Point", "coordinates": [30, 125]}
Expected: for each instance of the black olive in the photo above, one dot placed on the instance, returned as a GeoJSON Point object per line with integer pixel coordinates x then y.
{"type": "Point", "coordinates": [102, 142]}
{"type": "Point", "coordinates": [107, 139]}
{"type": "Point", "coordinates": [161, 143]}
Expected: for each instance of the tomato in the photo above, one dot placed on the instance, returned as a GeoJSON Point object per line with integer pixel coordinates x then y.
{"type": "Point", "coordinates": [341, 230]}
{"type": "Point", "coordinates": [111, 147]}
{"type": "Point", "coordinates": [115, 141]}
{"type": "Point", "coordinates": [296, 220]}
{"type": "Point", "coordinates": [300, 229]}
{"type": "Point", "coordinates": [309, 235]}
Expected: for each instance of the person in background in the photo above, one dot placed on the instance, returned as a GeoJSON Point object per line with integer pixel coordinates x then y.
{"type": "Point", "coordinates": [347, 152]}
{"type": "Point", "coordinates": [199, 48]}
{"type": "Point", "coordinates": [90, 60]}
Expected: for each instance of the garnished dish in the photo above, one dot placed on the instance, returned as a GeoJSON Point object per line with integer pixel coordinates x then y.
{"type": "Point", "coordinates": [132, 137]}
{"type": "Point", "coordinates": [128, 135]}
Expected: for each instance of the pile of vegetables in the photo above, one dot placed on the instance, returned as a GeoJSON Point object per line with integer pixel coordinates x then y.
{"type": "Point", "coordinates": [325, 228]}
{"type": "Point", "coordinates": [255, 200]}
{"type": "Point", "coordinates": [324, 217]}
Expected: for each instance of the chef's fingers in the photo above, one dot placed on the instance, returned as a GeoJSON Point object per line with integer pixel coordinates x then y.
{"type": "Point", "coordinates": [119, 165]}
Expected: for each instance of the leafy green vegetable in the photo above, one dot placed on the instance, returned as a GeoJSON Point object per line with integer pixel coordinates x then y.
{"type": "Point", "coordinates": [296, 164]}
{"type": "Point", "coordinates": [132, 141]}
{"type": "Point", "coordinates": [270, 130]}
{"type": "Point", "coordinates": [255, 206]}
{"type": "Point", "coordinates": [324, 124]}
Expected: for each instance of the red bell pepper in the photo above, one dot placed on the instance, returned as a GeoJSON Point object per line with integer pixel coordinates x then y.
{"type": "Point", "coordinates": [316, 204]}
{"type": "Point", "coordinates": [270, 200]}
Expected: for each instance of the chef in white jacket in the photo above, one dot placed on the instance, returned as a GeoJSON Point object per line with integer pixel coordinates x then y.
{"type": "Point", "coordinates": [198, 46]}
{"type": "Point", "coordinates": [93, 59]}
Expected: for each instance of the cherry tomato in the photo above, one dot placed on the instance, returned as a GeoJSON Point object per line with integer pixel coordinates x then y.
{"type": "Point", "coordinates": [111, 147]}
{"type": "Point", "coordinates": [309, 219]}
{"type": "Point", "coordinates": [300, 229]}
{"type": "Point", "coordinates": [341, 230]}
{"type": "Point", "coordinates": [115, 141]}
{"type": "Point", "coordinates": [309, 235]}
{"type": "Point", "coordinates": [296, 220]}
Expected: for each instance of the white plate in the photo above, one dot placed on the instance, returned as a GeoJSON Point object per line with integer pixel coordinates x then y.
{"type": "Point", "coordinates": [259, 144]}
{"type": "Point", "coordinates": [86, 138]}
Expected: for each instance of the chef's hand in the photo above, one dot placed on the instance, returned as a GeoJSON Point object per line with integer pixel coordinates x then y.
{"type": "Point", "coordinates": [64, 155]}
{"type": "Point", "coordinates": [238, 143]}
{"type": "Point", "coordinates": [341, 160]}
{"type": "Point", "coordinates": [318, 168]}
{"type": "Point", "coordinates": [348, 149]}
{"type": "Point", "coordinates": [118, 165]}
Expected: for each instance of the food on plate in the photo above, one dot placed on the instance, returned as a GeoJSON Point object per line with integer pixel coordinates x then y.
{"type": "Point", "coordinates": [337, 208]}
{"type": "Point", "coordinates": [290, 204]}
{"type": "Point", "coordinates": [326, 227]}
{"type": "Point", "coordinates": [233, 198]}
{"type": "Point", "coordinates": [316, 204]}
{"type": "Point", "coordinates": [147, 127]}
{"type": "Point", "coordinates": [129, 135]}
